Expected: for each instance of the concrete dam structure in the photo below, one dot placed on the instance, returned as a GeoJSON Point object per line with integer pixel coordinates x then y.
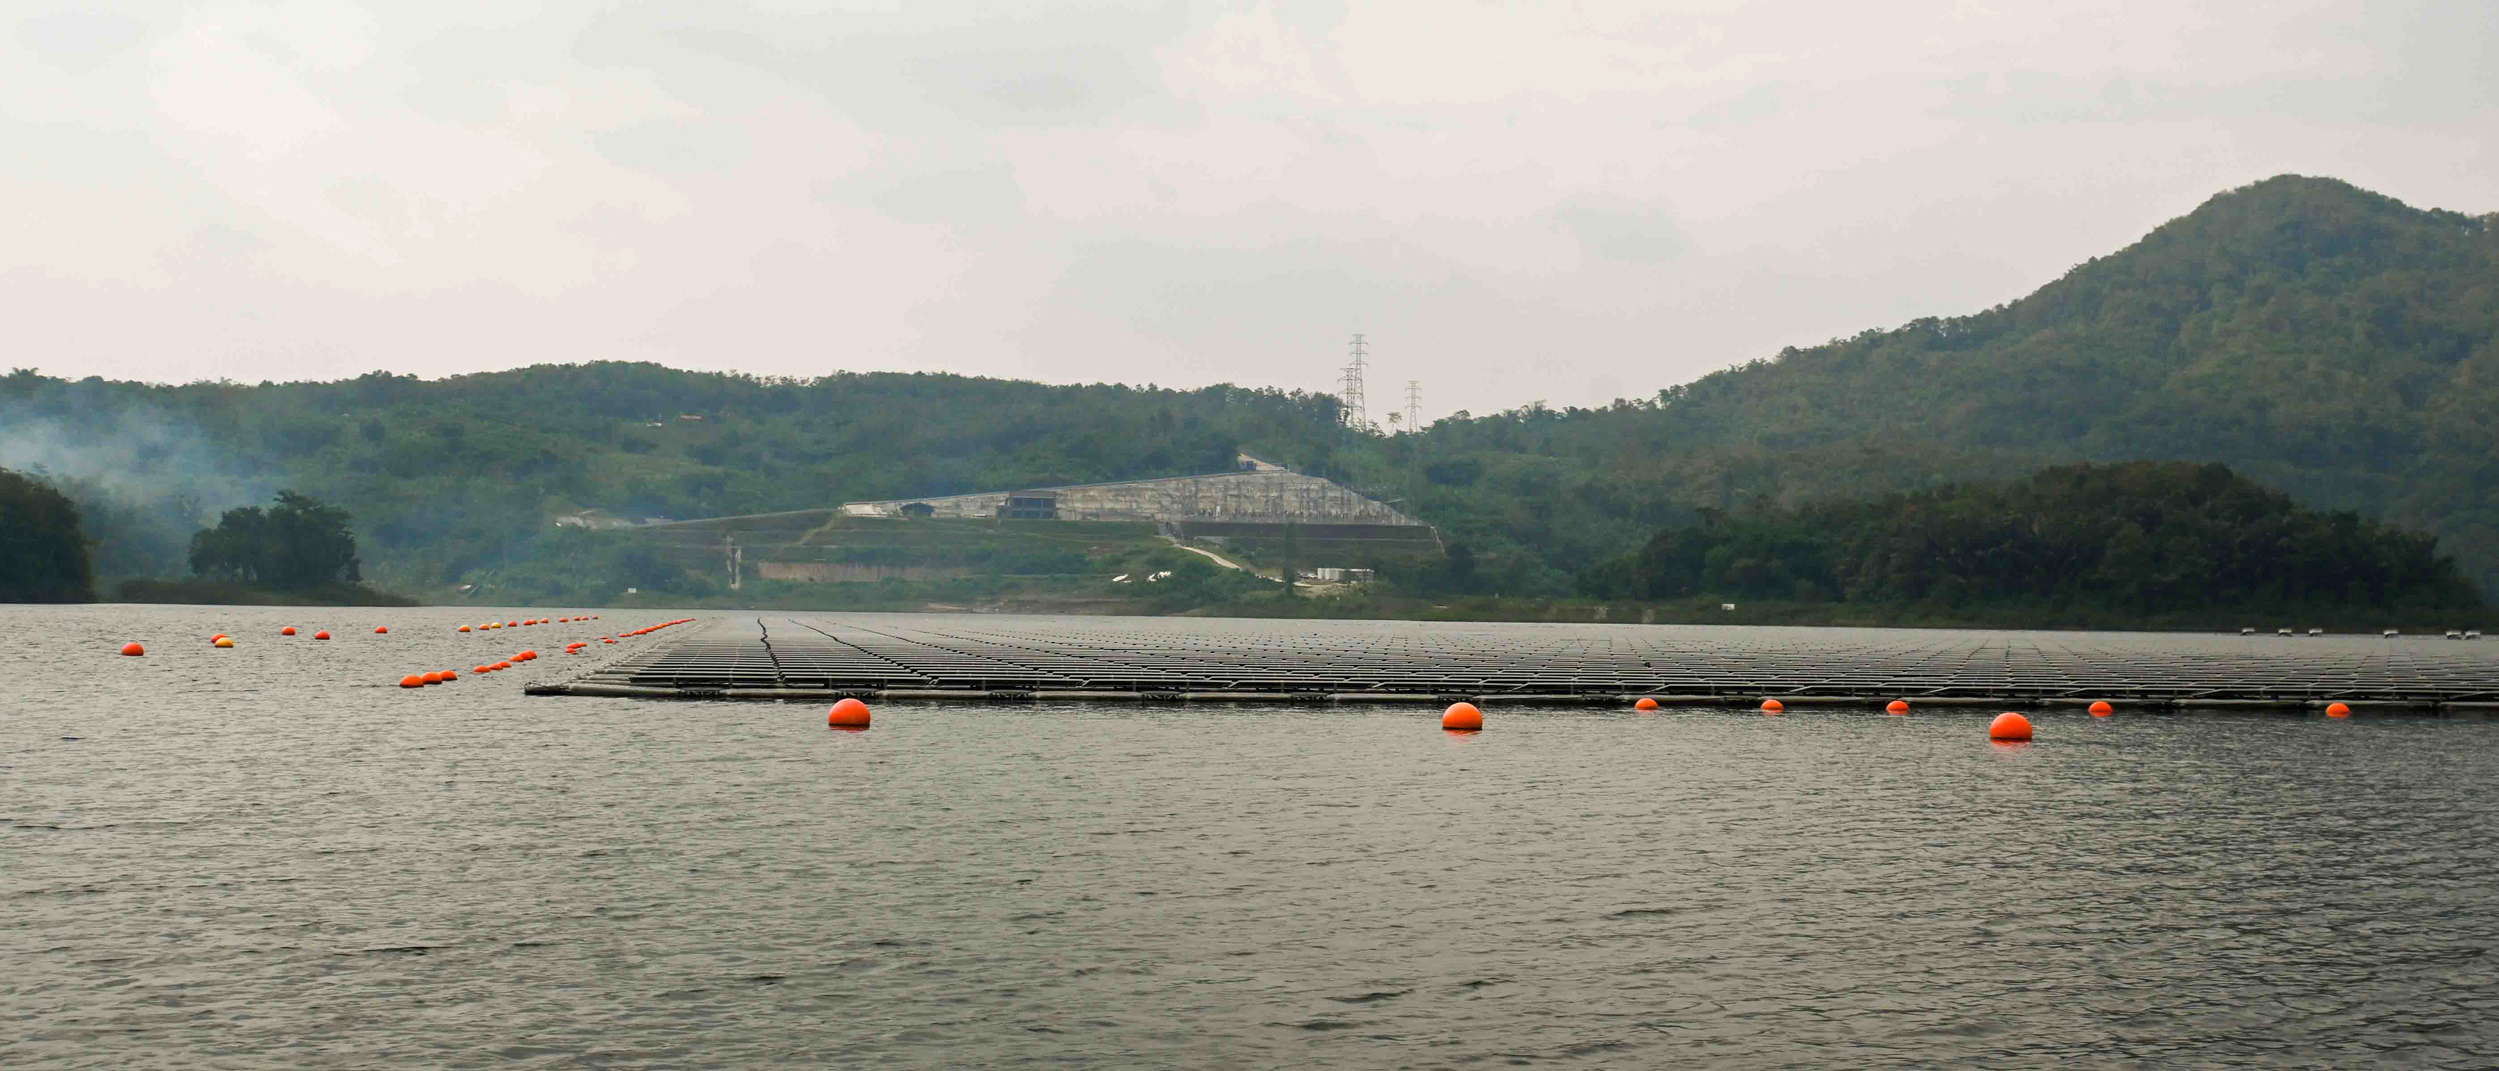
{"type": "Point", "coordinates": [1259, 507]}
{"type": "Point", "coordinates": [1258, 493]}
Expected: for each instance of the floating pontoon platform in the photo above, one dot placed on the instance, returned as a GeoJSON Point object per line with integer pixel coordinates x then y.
{"type": "Point", "coordinates": [899, 656]}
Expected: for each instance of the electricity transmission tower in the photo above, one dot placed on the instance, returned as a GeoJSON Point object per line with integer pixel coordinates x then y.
{"type": "Point", "coordinates": [1355, 414]}
{"type": "Point", "coordinates": [1414, 404]}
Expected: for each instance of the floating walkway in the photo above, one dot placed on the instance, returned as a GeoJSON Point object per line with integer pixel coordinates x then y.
{"type": "Point", "coordinates": [917, 656]}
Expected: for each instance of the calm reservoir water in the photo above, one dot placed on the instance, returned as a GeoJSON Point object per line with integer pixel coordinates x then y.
{"type": "Point", "coordinates": [270, 856]}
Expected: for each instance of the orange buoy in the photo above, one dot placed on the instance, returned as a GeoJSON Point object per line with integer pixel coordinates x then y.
{"type": "Point", "coordinates": [224, 641]}
{"type": "Point", "coordinates": [526, 656]}
{"type": "Point", "coordinates": [607, 639]}
{"type": "Point", "coordinates": [2100, 708]}
{"type": "Point", "coordinates": [380, 629]}
{"type": "Point", "coordinates": [1896, 706]}
{"type": "Point", "coordinates": [412, 682]}
{"type": "Point", "coordinates": [450, 676]}
{"type": "Point", "coordinates": [1644, 703]}
{"type": "Point", "coordinates": [2337, 710]}
{"type": "Point", "coordinates": [2009, 726]}
{"type": "Point", "coordinates": [503, 665]}
{"type": "Point", "coordinates": [1462, 718]}
{"type": "Point", "coordinates": [320, 635]}
{"type": "Point", "coordinates": [431, 678]}
{"type": "Point", "coordinates": [215, 636]}
{"type": "Point", "coordinates": [848, 713]}
{"type": "Point", "coordinates": [482, 670]}
{"type": "Point", "coordinates": [464, 628]}
{"type": "Point", "coordinates": [287, 631]}
{"type": "Point", "coordinates": [1772, 706]}
{"type": "Point", "coordinates": [133, 650]}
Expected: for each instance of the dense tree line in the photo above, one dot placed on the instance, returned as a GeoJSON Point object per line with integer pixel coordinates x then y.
{"type": "Point", "coordinates": [296, 543]}
{"type": "Point", "coordinates": [2145, 537]}
{"type": "Point", "coordinates": [43, 552]}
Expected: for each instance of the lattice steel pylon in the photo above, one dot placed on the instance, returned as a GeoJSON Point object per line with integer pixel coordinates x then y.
{"type": "Point", "coordinates": [1414, 405]}
{"type": "Point", "coordinates": [1352, 410]}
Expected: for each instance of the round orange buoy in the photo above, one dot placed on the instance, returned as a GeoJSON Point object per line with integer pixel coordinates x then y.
{"type": "Point", "coordinates": [1644, 703]}
{"type": "Point", "coordinates": [2337, 710]}
{"type": "Point", "coordinates": [320, 635]}
{"type": "Point", "coordinates": [1462, 718]}
{"type": "Point", "coordinates": [380, 629]}
{"type": "Point", "coordinates": [133, 650]}
{"type": "Point", "coordinates": [1772, 706]}
{"type": "Point", "coordinates": [215, 636]}
{"type": "Point", "coordinates": [450, 676]}
{"type": "Point", "coordinates": [464, 628]}
{"type": "Point", "coordinates": [527, 656]}
{"type": "Point", "coordinates": [503, 665]}
{"type": "Point", "coordinates": [849, 713]}
{"type": "Point", "coordinates": [482, 670]}
{"type": "Point", "coordinates": [1896, 706]}
{"type": "Point", "coordinates": [2009, 726]}
{"type": "Point", "coordinates": [431, 678]}
{"type": "Point", "coordinates": [412, 682]}
{"type": "Point", "coordinates": [224, 641]}
{"type": "Point", "coordinates": [607, 639]}
{"type": "Point", "coordinates": [2100, 708]}
{"type": "Point", "coordinates": [287, 631]}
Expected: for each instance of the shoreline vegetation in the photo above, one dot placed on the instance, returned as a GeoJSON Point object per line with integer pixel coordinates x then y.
{"type": "Point", "coordinates": [229, 593]}
{"type": "Point", "coordinates": [1382, 605]}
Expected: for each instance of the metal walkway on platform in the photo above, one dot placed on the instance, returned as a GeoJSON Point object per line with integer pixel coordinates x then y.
{"type": "Point", "coordinates": [937, 656]}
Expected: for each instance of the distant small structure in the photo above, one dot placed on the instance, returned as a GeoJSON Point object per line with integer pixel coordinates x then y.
{"type": "Point", "coordinates": [1344, 576]}
{"type": "Point", "coordinates": [597, 520]}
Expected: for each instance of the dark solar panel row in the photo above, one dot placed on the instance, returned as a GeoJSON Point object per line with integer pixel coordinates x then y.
{"type": "Point", "coordinates": [868, 652]}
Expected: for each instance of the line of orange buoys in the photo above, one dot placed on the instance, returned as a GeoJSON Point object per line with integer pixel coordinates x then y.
{"type": "Point", "coordinates": [2009, 727]}
{"type": "Point", "coordinates": [222, 641]}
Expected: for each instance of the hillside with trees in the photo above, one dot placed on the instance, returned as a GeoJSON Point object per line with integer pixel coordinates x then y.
{"type": "Point", "coordinates": [2321, 340]}
{"type": "Point", "coordinates": [2141, 538]}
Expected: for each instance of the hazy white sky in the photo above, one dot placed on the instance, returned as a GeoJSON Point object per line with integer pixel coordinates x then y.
{"type": "Point", "coordinates": [1565, 202]}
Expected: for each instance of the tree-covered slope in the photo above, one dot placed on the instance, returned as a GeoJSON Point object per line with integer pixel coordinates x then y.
{"type": "Point", "coordinates": [445, 477]}
{"type": "Point", "coordinates": [2323, 340]}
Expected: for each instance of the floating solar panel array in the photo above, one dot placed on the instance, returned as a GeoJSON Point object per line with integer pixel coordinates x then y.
{"type": "Point", "coordinates": [907, 655]}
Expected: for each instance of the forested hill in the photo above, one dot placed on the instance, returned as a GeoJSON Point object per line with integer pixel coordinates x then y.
{"type": "Point", "coordinates": [2320, 339]}
{"type": "Point", "coordinates": [449, 477]}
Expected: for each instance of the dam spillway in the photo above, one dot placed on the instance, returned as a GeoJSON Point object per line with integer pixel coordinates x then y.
{"type": "Point", "coordinates": [919, 656]}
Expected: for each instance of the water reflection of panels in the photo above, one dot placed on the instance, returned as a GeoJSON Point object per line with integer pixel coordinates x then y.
{"type": "Point", "coordinates": [1165, 656]}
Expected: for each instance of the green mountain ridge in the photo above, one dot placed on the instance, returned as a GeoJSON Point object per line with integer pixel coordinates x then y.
{"type": "Point", "coordinates": [2321, 340]}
